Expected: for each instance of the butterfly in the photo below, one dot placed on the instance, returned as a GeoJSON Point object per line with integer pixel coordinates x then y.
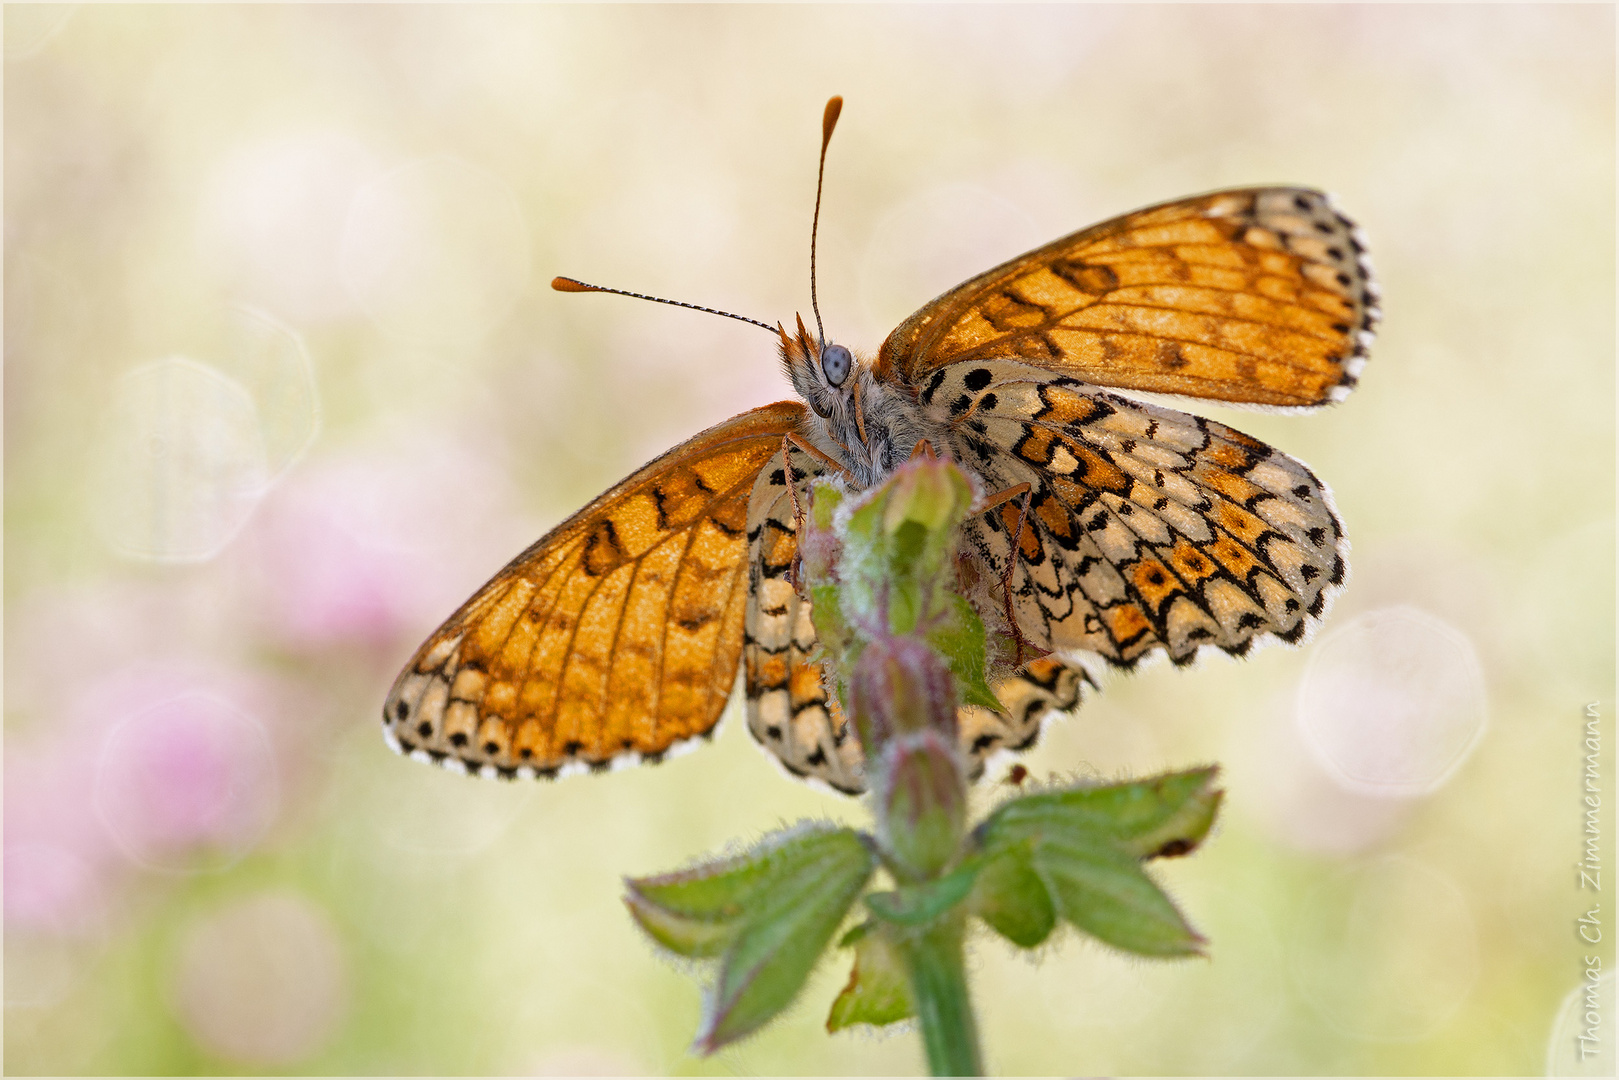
{"type": "Point", "coordinates": [617, 637]}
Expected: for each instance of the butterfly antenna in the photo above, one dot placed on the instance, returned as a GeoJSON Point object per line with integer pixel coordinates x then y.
{"type": "Point", "coordinates": [829, 120]}
{"type": "Point", "coordinates": [568, 284]}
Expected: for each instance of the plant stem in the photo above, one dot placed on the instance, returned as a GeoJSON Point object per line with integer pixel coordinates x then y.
{"type": "Point", "coordinates": [938, 973]}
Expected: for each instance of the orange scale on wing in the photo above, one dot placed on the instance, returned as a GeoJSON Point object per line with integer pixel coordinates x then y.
{"type": "Point", "coordinates": [1154, 583]}
{"type": "Point", "coordinates": [1237, 560]}
{"type": "Point", "coordinates": [1189, 563]}
{"type": "Point", "coordinates": [1245, 526]}
{"type": "Point", "coordinates": [1127, 625]}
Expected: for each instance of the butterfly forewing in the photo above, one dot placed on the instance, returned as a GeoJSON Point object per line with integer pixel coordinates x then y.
{"type": "Point", "coordinates": [1257, 296]}
{"type": "Point", "coordinates": [1147, 528]}
{"type": "Point", "coordinates": [615, 636]}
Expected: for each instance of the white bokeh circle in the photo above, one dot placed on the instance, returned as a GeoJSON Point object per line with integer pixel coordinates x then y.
{"type": "Point", "coordinates": [272, 217]}
{"type": "Point", "coordinates": [261, 981]}
{"type": "Point", "coordinates": [1393, 702]}
{"type": "Point", "coordinates": [178, 462]}
{"type": "Point", "coordinates": [1582, 1037]}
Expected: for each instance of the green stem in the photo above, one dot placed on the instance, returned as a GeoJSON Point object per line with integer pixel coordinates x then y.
{"type": "Point", "coordinates": [938, 974]}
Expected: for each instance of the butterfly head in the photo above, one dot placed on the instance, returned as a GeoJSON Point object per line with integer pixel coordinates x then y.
{"type": "Point", "coordinates": [825, 375]}
{"type": "Point", "coordinates": [870, 426]}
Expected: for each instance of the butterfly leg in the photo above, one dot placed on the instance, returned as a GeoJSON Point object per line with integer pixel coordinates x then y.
{"type": "Point", "coordinates": [1002, 497]}
{"type": "Point", "coordinates": [800, 443]}
{"type": "Point", "coordinates": [789, 443]}
{"type": "Point", "coordinates": [1022, 492]}
{"type": "Point", "coordinates": [923, 449]}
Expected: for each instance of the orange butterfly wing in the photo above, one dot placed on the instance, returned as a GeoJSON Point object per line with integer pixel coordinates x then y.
{"type": "Point", "coordinates": [1257, 296]}
{"type": "Point", "coordinates": [615, 636]}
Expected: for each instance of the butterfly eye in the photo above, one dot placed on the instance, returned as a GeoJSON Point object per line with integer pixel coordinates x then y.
{"type": "Point", "coordinates": [835, 364]}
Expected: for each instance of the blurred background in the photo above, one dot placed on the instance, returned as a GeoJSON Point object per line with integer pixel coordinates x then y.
{"type": "Point", "coordinates": [284, 383]}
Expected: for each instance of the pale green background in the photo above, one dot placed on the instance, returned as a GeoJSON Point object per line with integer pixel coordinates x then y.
{"type": "Point", "coordinates": [452, 925]}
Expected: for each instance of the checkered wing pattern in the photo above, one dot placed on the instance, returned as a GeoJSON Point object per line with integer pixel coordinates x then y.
{"type": "Point", "coordinates": [1147, 528]}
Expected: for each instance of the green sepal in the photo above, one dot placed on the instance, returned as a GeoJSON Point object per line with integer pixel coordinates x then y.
{"type": "Point", "coordinates": [878, 991]}
{"type": "Point", "coordinates": [899, 541]}
{"type": "Point", "coordinates": [1012, 899]}
{"type": "Point", "coordinates": [831, 630]}
{"type": "Point", "coordinates": [924, 902]}
{"type": "Point", "coordinates": [770, 912]}
{"type": "Point", "coordinates": [960, 640]}
{"type": "Point", "coordinates": [825, 497]}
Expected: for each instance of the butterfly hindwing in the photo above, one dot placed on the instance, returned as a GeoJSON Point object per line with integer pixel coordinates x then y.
{"type": "Point", "coordinates": [1147, 528]}
{"type": "Point", "coordinates": [614, 637]}
{"type": "Point", "coordinates": [1041, 689]}
{"type": "Point", "coordinates": [790, 709]}
{"type": "Point", "coordinates": [1259, 296]}
{"type": "Point", "coordinates": [790, 712]}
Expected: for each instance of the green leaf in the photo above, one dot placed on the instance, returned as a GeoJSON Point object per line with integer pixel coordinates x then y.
{"type": "Point", "coordinates": [1173, 811]}
{"type": "Point", "coordinates": [878, 991]}
{"type": "Point", "coordinates": [1105, 892]}
{"type": "Point", "coordinates": [925, 902]}
{"type": "Point", "coordinates": [698, 911]}
{"type": "Point", "coordinates": [1011, 898]}
{"type": "Point", "coordinates": [712, 892]}
{"type": "Point", "coordinates": [1075, 853]}
{"type": "Point", "coordinates": [789, 915]}
{"type": "Point", "coordinates": [855, 933]}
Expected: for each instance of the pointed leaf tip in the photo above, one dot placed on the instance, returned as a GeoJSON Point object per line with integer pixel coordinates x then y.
{"type": "Point", "coordinates": [785, 927]}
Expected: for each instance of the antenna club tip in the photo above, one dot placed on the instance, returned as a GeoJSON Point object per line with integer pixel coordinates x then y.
{"type": "Point", "coordinates": [567, 284]}
{"type": "Point", "coordinates": [829, 119]}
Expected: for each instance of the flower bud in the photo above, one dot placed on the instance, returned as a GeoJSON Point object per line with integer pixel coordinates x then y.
{"type": "Point", "coordinates": [922, 800]}
{"type": "Point", "coordinates": [928, 491]}
{"type": "Point", "coordinates": [899, 685]}
{"type": "Point", "coordinates": [819, 548]}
